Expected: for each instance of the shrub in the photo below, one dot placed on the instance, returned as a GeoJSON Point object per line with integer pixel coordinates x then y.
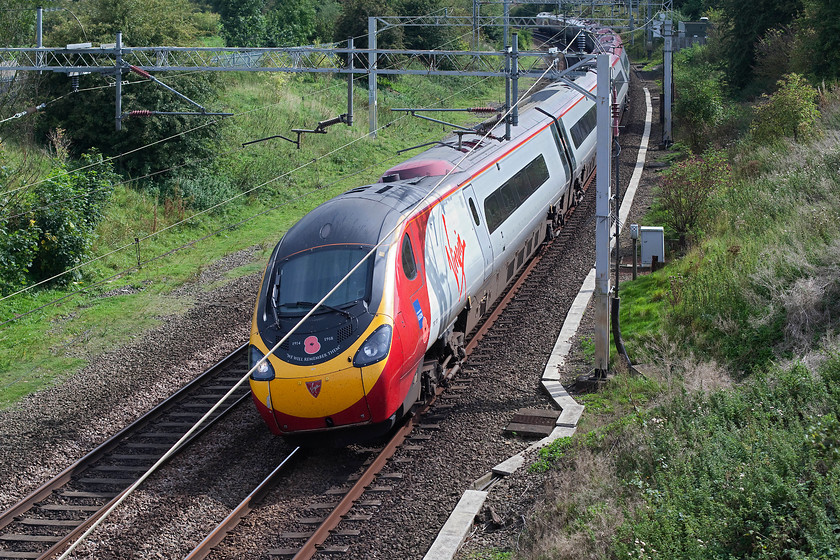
{"type": "Point", "coordinates": [51, 225]}
{"type": "Point", "coordinates": [686, 189]}
{"type": "Point", "coordinates": [699, 87]}
{"type": "Point", "coordinates": [70, 206]}
{"type": "Point", "coordinates": [791, 111]}
{"type": "Point", "coordinates": [201, 190]}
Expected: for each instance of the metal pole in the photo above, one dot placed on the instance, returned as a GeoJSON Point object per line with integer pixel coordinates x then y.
{"type": "Point", "coordinates": [616, 206]}
{"type": "Point", "coordinates": [667, 139]}
{"type": "Point", "coordinates": [476, 17]}
{"type": "Point", "coordinates": [602, 217]}
{"type": "Point", "coordinates": [515, 83]}
{"type": "Point", "coordinates": [39, 35]}
{"type": "Point", "coordinates": [507, 92]}
{"type": "Point", "coordinates": [372, 76]}
{"type": "Point", "coordinates": [118, 71]}
{"type": "Point", "coordinates": [350, 62]}
{"type": "Point", "coordinates": [506, 22]}
{"type": "Point", "coordinates": [634, 258]}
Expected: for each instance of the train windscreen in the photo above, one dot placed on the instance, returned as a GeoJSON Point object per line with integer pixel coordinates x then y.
{"type": "Point", "coordinates": [305, 278]}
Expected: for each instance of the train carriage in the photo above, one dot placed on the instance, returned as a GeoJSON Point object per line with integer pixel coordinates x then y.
{"type": "Point", "coordinates": [434, 243]}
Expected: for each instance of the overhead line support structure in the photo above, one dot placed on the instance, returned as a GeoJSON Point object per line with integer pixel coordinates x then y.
{"type": "Point", "coordinates": [115, 60]}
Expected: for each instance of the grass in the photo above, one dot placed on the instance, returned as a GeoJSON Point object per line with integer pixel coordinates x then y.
{"type": "Point", "coordinates": [730, 448]}
{"type": "Point", "coordinates": [283, 183]}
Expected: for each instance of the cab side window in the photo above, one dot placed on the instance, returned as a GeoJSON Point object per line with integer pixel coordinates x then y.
{"type": "Point", "coordinates": [408, 263]}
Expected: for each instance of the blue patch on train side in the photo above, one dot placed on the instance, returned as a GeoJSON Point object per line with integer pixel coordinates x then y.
{"type": "Point", "coordinates": [419, 311]}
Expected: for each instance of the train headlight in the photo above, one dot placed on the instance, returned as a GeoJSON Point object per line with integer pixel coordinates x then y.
{"type": "Point", "coordinates": [375, 348]}
{"type": "Point", "coordinates": [265, 372]}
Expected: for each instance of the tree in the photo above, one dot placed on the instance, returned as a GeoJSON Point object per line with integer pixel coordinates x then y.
{"type": "Point", "coordinates": [17, 23]}
{"type": "Point", "coordinates": [88, 119]}
{"type": "Point", "coordinates": [699, 88]}
{"type": "Point", "coordinates": [327, 13]}
{"type": "Point", "coordinates": [687, 188]}
{"type": "Point", "coordinates": [791, 111]}
{"type": "Point", "coordinates": [776, 55]}
{"type": "Point", "coordinates": [819, 27]}
{"type": "Point", "coordinates": [694, 9]}
{"type": "Point", "coordinates": [425, 38]}
{"type": "Point", "coordinates": [69, 207]}
{"type": "Point", "coordinates": [745, 23]}
{"type": "Point", "coordinates": [290, 23]}
{"type": "Point", "coordinates": [51, 228]}
{"type": "Point", "coordinates": [354, 22]}
{"type": "Point", "coordinates": [143, 23]}
{"type": "Point", "coordinates": [243, 22]}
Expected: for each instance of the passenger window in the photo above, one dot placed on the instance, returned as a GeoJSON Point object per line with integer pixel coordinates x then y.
{"type": "Point", "coordinates": [408, 263]}
{"type": "Point", "coordinates": [474, 211]}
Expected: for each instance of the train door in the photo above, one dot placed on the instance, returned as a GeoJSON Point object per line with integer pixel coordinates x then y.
{"type": "Point", "coordinates": [480, 229]}
{"type": "Point", "coordinates": [565, 158]}
{"type": "Point", "coordinates": [413, 311]}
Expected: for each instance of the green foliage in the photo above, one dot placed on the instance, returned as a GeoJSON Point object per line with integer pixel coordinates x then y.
{"type": "Point", "coordinates": [353, 22]}
{"type": "Point", "coordinates": [551, 453]}
{"type": "Point", "coordinates": [200, 189]}
{"type": "Point", "coordinates": [687, 188]}
{"type": "Point", "coordinates": [289, 23]}
{"type": "Point", "coordinates": [426, 38]}
{"type": "Point", "coordinates": [243, 22]}
{"type": "Point", "coordinates": [819, 26]}
{"type": "Point", "coordinates": [790, 111]}
{"type": "Point", "coordinates": [18, 247]}
{"type": "Point", "coordinates": [745, 23]}
{"type": "Point", "coordinates": [17, 23]}
{"type": "Point", "coordinates": [143, 23]}
{"type": "Point", "coordinates": [89, 121]}
{"type": "Point", "coordinates": [699, 86]}
{"type": "Point", "coordinates": [267, 23]}
{"type": "Point", "coordinates": [327, 13]}
{"type": "Point", "coordinates": [694, 9]}
{"type": "Point", "coordinates": [777, 54]}
{"type": "Point", "coordinates": [749, 473]}
{"type": "Point", "coordinates": [70, 205]}
{"type": "Point", "coordinates": [52, 226]}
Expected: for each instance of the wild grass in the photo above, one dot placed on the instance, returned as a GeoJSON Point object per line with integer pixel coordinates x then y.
{"type": "Point", "coordinates": [173, 240]}
{"type": "Point", "coordinates": [730, 447]}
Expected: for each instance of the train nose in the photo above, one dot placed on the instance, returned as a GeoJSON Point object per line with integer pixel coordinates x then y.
{"type": "Point", "coordinates": [323, 400]}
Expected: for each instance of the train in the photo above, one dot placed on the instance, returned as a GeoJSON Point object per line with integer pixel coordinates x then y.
{"type": "Point", "coordinates": [413, 261]}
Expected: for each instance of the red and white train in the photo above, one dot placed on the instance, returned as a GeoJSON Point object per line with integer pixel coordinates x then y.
{"type": "Point", "coordinates": [451, 226]}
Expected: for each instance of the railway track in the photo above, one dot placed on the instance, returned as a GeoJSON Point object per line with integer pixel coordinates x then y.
{"type": "Point", "coordinates": [52, 516]}
{"type": "Point", "coordinates": [318, 530]}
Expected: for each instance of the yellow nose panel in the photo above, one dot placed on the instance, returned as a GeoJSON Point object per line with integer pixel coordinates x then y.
{"type": "Point", "coordinates": [318, 395]}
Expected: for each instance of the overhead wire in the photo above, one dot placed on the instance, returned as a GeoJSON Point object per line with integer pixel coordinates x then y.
{"type": "Point", "coordinates": [132, 244]}
{"type": "Point", "coordinates": [130, 490]}
{"type": "Point", "coordinates": [211, 208]}
{"type": "Point", "coordinates": [186, 220]}
{"type": "Point", "coordinates": [134, 150]}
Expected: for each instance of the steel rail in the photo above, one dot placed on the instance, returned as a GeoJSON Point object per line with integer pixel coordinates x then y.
{"type": "Point", "coordinates": [104, 449]}
{"type": "Point", "coordinates": [310, 548]}
{"type": "Point", "coordinates": [239, 512]}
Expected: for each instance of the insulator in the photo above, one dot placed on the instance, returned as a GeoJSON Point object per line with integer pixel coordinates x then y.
{"type": "Point", "coordinates": [74, 81]}
{"type": "Point", "coordinates": [140, 71]}
{"type": "Point", "coordinates": [141, 113]}
{"type": "Point", "coordinates": [481, 110]}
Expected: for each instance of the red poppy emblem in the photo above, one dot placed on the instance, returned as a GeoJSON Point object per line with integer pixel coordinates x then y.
{"type": "Point", "coordinates": [311, 345]}
{"type": "Point", "coordinates": [314, 387]}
